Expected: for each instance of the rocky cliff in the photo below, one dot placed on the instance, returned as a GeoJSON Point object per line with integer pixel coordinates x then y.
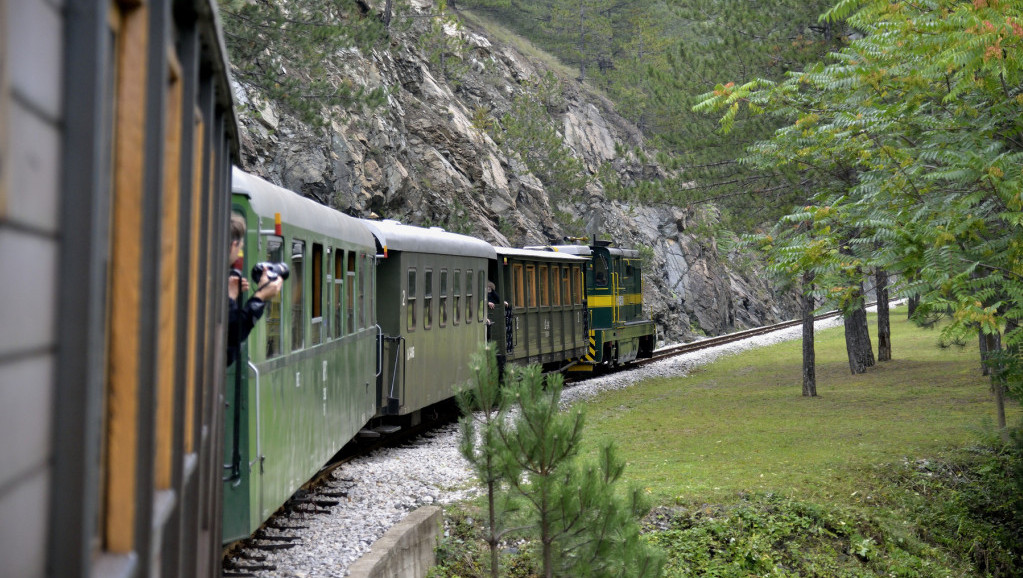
{"type": "Point", "coordinates": [428, 158]}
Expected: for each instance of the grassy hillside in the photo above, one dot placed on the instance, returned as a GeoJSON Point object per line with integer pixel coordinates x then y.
{"type": "Point", "coordinates": [742, 424]}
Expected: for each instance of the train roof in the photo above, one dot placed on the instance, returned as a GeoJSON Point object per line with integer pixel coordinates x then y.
{"type": "Point", "coordinates": [395, 236]}
{"type": "Point", "coordinates": [267, 198]}
{"type": "Point", "coordinates": [539, 253]}
{"type": "Point", "coordinates": [587, 251]}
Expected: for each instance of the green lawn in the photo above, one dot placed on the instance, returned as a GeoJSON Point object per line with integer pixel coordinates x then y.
{"type": "Point", "coordinates": [741, 424]}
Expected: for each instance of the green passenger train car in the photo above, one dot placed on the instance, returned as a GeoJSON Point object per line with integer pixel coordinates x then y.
{"type": "Point", "coordinates": [305, 382]}
{"type": "Point", "coordinates": [432, 308]}
{"type": "Point", "coordinates": [618, 331]}
{"type": "Point", "coordinates": [540, 314]}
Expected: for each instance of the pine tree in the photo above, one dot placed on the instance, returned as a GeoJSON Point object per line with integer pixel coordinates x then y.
{"type": "Point", "coordinates": [583, 526]}
{"type": "Point", "coordinates": [484, 408]}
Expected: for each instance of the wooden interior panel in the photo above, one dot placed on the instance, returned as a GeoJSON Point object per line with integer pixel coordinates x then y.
{"type": "Point", "coordinates": [124, 283]}
{"type": "Point", "coordinates": [195, 283]}
{"type": "Point", "coordinates": [168, 301]}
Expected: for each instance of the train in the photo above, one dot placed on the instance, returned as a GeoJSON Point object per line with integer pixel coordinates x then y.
{"type": "Point", "coordinates": [130, 448]}
{"type": "Point", "coordinates": [376, 324]}
{"type": "Point", "coordinates": [117, 138]}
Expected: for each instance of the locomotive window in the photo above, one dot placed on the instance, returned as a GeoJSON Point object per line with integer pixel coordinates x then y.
{"type": "Point", "coordinates": [428, 299]}
{"type": "Point", "coordinates": [275, 307]}
{"type": "Point", "coordinates": [339, 277]}
{"type": "Point", "coordinates": [362, 293]}
{"type": "Point", "coordinates": [481, 279]}
{"type": "Point", "coordinates": [443, 297]}
{"type": "Point", "coordinates": [297, 296]}
{"type": "Point", "coordinates": [600, 271]}
{"type": "Point", "coordinates": [566, 290]}
{"type": "Point", "coordinates": [530, 286]}
{"type": "Point", "coordinates": [545, 293]}
{"type": "Point", "coordinates": [519, 297]}
{"type": "Point", "coordinates": [555, 293]}
{"type": "Point", "coordinates": [629, 270]}
{"type": "Point", "coordinates": [316, 320]}
{"type": "Point", "coordinates": [410, 320]}
{"type": "Point", "coordinates": [350, 294]}
{"type": "Point", "coordinates": [456, 290]}
{"type": "Point", "coordinates": [577, 286]}
{"type": "Point", "coordinates": [468, 296]}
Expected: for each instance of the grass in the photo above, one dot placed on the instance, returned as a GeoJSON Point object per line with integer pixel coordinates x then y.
{"type": "Point", "coordinates": [741, 424]}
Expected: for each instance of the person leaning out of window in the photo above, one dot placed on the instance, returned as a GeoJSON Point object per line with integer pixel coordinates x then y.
{"type": "Point", "coordinates": [241, 319]}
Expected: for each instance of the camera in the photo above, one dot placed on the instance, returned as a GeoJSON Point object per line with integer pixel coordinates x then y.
{"type": "Point", "coordinates": [273, 271]}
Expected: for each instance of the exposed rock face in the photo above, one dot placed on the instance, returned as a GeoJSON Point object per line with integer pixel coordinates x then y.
{"type": "Point", "coordinates": [424, 159]}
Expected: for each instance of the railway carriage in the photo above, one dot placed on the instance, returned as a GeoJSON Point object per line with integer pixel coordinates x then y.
{"type": "Point", "coordinates": [432, 306]}
{"type": "Point", "coordinates": [618, 332]}
{"type": "Point", "coordinates": [306, 379]}
{"type": "Point", "coordinates": [117, 134]}
{"type": "Point", "coordinates": [545, 320]}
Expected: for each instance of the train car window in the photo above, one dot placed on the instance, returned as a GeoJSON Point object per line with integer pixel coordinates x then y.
{"type": "Point", "coordinates": [297, 286]}
{"type": "Point", "coordinates": [556, 294]}
{"type": "Point", "coordinates": [371, 291]}
{"type": "Point", "coordinates": [456, 291]}
{"type": "Point", "coordinates": [481, 281]}
{"type": "Point", "coordinates": [468, 296]}
{"type": "Point", "coordinates": [363, 270]}
{"type": "Point", "coordinates": [443, 298]}
{"type": "Point", "coordinates": [530, 286]}
{"type": "Point", "coordinates": [545, 292]}
{"type": "Point", "coordinates": [600, 276]}
{"type": "Point", "coordinates": [577, 284]}
{"type": "Point", "coordinates": [350, 294]}
{"type": "Point", "coordinates": [410, 301]}
{"type": "Point", "coordinates": [428, 299]}
{"type": "Point", "coordinates": [316, 333]}
{"type": "Point", "coordinates": [339, 279]}
{"type": "Point", "coordinates": [629, 270]}
{"type": "Point", "coordinates": [566, 289]}
{"type": "Point", "coordinates": [275, 308]}
{"type": "Point", "coordinates": [520, 291]}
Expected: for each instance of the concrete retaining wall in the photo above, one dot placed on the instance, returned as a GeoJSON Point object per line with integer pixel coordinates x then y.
{"type": "Point", "coordinates": [406, 550]}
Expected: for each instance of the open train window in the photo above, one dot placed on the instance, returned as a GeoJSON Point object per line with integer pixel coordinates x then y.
{"type": "Point", "coordinates": [555, 293]}
{"type": "Point", "coordinates": [545, 293]}
{"type": "Point", "coordinates": [428, 299]}
{"type": "Point", "coordinates": [456, 294]}
{"type": "Point", "coordinates": [531, 285]}
{"type": "Point", "coordinates": [566, 288]}
{"type": "Point", "coordinates": [481, 282]}
{"type": "Point", "coordinates": [338, 284]}
{"type": "Point", "coordinates": [468, 296]}
{"type": "Point", "coordinates": [275, 307]}
{"type": "Point", "coordinates": [577, 284]}
{"type": "Point", "coordinates": [297, 295]}
{"type": "Point", "coordinates": [600, 276]}
{"type": "Point", "coordinates": [363, 271]}
{"type": "Point", "coordinates": [316, 309]}
{"type": "Point", "coordinates": [520, 288]}
{"type": "Point", "coordinates": [410, 301]}
{"type": "Point", "coordinates": [443, 297]}
{"type": "Point", "coordinates": [350, 294]}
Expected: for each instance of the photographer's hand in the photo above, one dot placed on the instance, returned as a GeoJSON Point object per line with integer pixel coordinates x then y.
{"type": "Point", "coordinates": [267, 289]}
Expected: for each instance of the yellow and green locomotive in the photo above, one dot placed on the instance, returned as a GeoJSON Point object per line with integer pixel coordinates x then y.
{"type": "Point", "coordinates": [618, 331]}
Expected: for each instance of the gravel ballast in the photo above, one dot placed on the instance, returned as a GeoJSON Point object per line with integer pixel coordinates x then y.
{"type": "Point", "coordinates": [383, 487]}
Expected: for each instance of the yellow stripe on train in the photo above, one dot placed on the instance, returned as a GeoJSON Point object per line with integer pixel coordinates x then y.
{"type": "Point", "coordinates": [611, 301]}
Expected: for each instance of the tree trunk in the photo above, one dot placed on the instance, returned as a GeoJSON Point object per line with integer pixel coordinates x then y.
{"type": "Point", "coordinates": [994, 345]}
{"type": "Point", "coordinates": [912, 303]}
{"type": "Point", "coordinates": [857, 337]}
{"type": "Point", "coordinates": [809, 355]}
{"type": "Point", "coordinates": [984, 369]}
{"type": "Point", "coordinates": [884, 331]}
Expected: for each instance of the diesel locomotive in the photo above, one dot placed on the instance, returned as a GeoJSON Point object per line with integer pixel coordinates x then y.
{"type": "Point", "coordinates": [377, 322]}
